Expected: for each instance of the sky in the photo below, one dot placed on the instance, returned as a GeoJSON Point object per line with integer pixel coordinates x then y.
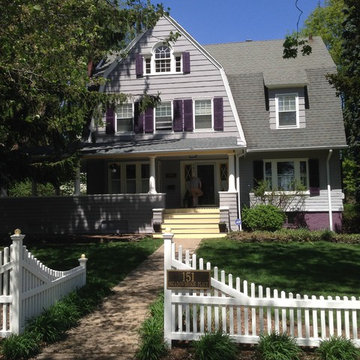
{"type": "Point", "coordinates": [220, 21]}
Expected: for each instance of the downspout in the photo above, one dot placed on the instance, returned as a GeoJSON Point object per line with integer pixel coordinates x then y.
{"type": "Point", "coordinates": [237, 158]}
{"type": "Point", "coordinates": [329, 189]}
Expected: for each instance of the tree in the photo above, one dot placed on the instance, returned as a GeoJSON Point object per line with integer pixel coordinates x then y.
{"type": "Point", "coordinates": [347, 82]}
{"type": "Point", "coordinates": [326, 21]}
{"type": "Point", "coordinates": [49, 49]}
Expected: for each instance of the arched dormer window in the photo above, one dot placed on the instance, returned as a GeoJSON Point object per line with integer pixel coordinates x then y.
{"type": "Point", "coordinates": [164, 60]}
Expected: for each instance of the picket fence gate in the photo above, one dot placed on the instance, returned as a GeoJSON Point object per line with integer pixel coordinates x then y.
{"type": "Point", "coordinates": [245, 315]}
{"type": "Point", "coordinates": [28, 287]}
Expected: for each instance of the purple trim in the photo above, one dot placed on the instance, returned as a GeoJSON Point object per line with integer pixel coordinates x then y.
{"type": "Point", "coordinates": [149, 120]}
{"type": "Point", "coordinates": [138, 119]}
{"type": "Point", "coordinates": [218, 114]}
{"type": "Point", "coordinates": [188, 115]}
{"type": "Point", "coordinates": [139, 64]}
{"type": "Point", "coordinates": [186, 62]}
{"type": "Point", "coordinates": [178, 116]}
{"type": "Point", "coordinates": [110, 121]}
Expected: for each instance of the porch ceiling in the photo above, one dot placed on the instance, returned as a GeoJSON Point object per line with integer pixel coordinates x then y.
{"type": "Point", "coordinates": [162, 147]}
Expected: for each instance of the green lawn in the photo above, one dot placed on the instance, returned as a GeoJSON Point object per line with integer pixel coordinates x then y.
{"type": "Point", "coordinates": [108, 263]}
{"type": "Point", "coordinates": [320, 268]}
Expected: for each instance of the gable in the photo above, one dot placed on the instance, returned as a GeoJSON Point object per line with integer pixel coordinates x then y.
{"type": "Point", "coordinates": [204, 80]}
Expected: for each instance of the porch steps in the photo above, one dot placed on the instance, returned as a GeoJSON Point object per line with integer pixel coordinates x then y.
{"type": "Point", "coordinates": [192, 223]}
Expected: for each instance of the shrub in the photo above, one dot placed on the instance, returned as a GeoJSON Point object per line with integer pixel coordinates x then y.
{"type": "Point", "coordinates": [215, 346]}
{"type": "Point", "coordinates": [277, 347]}
{"type": "Point", "coordinates": [263, 217]}
{"type": "Point", "coordinates": [351, 218]}
{"type": "Point", "coordinates": [337, 348]}
{"type": "Point", "coordinates": [152, 345]}
{"type": "Point", "coordinates": [21, 346]}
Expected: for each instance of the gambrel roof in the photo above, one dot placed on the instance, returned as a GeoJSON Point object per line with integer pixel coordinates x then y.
{"type": "Point", "coordinates": [255, 67]}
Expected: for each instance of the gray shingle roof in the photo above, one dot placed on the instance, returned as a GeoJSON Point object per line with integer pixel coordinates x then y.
{"type": "Point", "coordinates": [250, 65]}
{"type": "Point", "coordinates": [158, 145]}
{"type": "Point", "coordinates": [266, 57]}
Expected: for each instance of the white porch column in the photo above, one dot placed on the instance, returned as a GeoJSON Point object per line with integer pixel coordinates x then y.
{"type": "Point", "coordinates": [77, 182]}
{"type": "Point", "coordinates": [232, 173]}
{"type": "Point", "coordinates": [152, 178]}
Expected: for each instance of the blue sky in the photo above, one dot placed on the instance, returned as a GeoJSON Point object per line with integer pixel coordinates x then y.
{"type": "Point", "coordinates": [216, 21]}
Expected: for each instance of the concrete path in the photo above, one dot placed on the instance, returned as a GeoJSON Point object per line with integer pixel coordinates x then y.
{"type": "Point", "coordinates": [111, 332]}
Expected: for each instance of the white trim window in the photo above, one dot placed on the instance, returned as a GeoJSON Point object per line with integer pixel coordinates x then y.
{"type": "Point", "coordinates": [287, 110]}
{"type": "Point", "coordinates": [163, 116]}
{"type": "Point", "coordinates": [124, 118]}
{"type": "Point", "coordinates": [203, 114]}
{"type": "Point", "coordinates": [128, 177]}
{"type": "Point", "coordinates": [163, 60]}
{"type": "Point", "coordinates": [286, 174]}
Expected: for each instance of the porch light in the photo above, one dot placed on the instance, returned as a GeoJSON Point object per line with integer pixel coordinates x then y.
{"type": "Point", "coordinates": [113, 168]}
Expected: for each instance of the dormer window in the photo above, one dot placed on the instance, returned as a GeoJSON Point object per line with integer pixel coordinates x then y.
{"type": "Point", "coordinates": [287, 110]}
{"type": "Point", "coordinates": [162, 59]}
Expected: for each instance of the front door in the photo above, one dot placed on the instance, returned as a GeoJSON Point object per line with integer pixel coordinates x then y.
{"type": "Point", "coordinates": [205, 173]}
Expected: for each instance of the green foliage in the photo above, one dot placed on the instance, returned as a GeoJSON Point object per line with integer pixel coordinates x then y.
{"type": "Point", "coordinates": [152, 345]}
{"type": "Point", "coordinates": [17, 347]}
{"type": "Point", "coordinates": [263, 217]}
{"type": "Point", "coordinates": [215, 346]}
{"type": "Point", "coordinates": [326, 21]}
{"type": "Point", "coordinates": [48, 51]}
{"type": "Point", "coordinates": [292, 44]}
{"type": "Point", "coordinates": [279, 198]}
{"type": "Point", "coordinates": [277, 347]}
{"type": "Point", "coordinates": [347, 82]}
{"type": "Point", "coordinates": [350, 173]}
{"type": "Point", "coordinates": [351, 218]}
{"type": "Point", "coordinates": [24, 188]}
{"type": "Point", "coordinates": [338, 348]}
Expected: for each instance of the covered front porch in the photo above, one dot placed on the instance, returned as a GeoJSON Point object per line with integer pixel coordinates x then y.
{"type": "Point", "coordinates": [169, 176]}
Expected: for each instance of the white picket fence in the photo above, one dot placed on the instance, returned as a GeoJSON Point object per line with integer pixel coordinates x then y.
{"type": "Point", "coordinates": [244, 314]}
{"type": "Point", "coordinates": [28, 287]}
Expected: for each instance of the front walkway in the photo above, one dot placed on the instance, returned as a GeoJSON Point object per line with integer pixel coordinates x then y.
{"type": "Point", "coordinates": [111, 332]}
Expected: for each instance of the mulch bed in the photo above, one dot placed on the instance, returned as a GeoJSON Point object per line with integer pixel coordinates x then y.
{"type": "Point", "coordinates": [183, 351]}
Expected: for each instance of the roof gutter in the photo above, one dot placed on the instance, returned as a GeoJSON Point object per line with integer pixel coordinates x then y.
{"type": "Point", "coordinates": [325, 147]}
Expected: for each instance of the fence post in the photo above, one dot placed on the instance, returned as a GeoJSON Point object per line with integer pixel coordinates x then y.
{"type": "Point", "coordinates": [82, 261]}
{"type": "Point", "coordinates": [16, 281]}
{"type": "Point", "coordinates": [168, 239]}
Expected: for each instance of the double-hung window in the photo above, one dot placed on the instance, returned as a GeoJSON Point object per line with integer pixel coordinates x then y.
{"type": "Point", "coordinates": [203, 114]}
{"type": "Point", "coordinates": [287, 110]}
{"type": "Point", "coordinates": [286, 175]}
{"type": "Point", "coordinates": [163, 116]}
{"type": "Point", "coordinates": [124, 118]}
{"type": "Point", "coordinates": [163, 60]}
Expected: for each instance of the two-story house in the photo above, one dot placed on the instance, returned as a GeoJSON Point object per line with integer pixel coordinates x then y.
{"type": "Point", "coordinates": [230, 115]}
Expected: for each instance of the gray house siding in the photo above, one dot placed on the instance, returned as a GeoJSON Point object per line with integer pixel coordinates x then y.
{"type": "Point", "coordinates": [203, 82]}
{"type": "Point", "coordinates": [121, 213]}
{"type": "Point", "coordinates": [317, 203]}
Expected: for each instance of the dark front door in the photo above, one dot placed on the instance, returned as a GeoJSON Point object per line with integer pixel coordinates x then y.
{"type": "Point", "coordinates": [206, 174]}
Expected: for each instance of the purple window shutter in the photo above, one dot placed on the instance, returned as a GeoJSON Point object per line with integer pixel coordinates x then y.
{"type": "Point", "coordinates": [139, 65]}
{"type": "Point", "coordinates": [149, 120]}
{"type": "Point", "coordinates": [314, 177]}
{"type": "Point", "coordinates": [188, 115]}
{"type": "Point", "coordinates": [138, 119]}
{"type": "Point", "coordinates": [186, 62]}
{"type": "Point", "coordinates": [218, 114]}
{"type": "Point", "coordinates": [110, 121]}
{"type": "Point", "coordinates": [178, 116]}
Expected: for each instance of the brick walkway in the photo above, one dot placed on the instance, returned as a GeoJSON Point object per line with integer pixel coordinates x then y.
{"type": "Point", "coordinates": [111, 332]}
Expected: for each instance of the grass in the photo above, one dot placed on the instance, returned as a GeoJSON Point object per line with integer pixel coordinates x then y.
{"type": "Point", "coordinates": [320, 268]}
{"type": "Point", "coordinates": [108, 263]}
